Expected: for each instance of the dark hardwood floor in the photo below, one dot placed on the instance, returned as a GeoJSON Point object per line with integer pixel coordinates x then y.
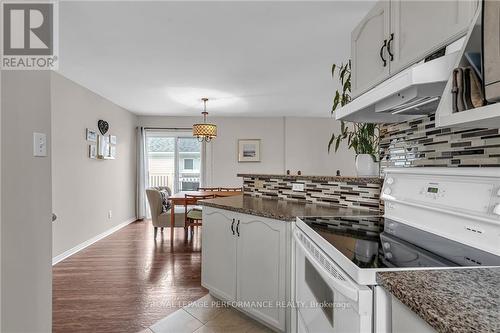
{"type": "Point", "coordinates": [127, 281]}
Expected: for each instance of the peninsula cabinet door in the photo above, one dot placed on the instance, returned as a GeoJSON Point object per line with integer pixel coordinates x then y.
{"type": "Point", "coordinates": [422, 27]}
{"type": "Point", "coordinates": [261, 268]}
{"type": "Point", "coordinates": [218, 258]}
{"type": "Point", "coordinates": [405, 320]}
{"type": "Point", "coordinates": [370, 63]}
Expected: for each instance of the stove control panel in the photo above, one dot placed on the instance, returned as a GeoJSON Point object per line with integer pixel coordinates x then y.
{"type": "Point", "coordinates": [433, 191]}
{"type": "Point", "coordinates": [462, 205]}
{"type": "Point", "coordinates": [471, 195]}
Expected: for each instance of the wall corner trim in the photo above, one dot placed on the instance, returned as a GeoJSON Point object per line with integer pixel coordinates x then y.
{"type": "Point", "coordinates": [91, 241]}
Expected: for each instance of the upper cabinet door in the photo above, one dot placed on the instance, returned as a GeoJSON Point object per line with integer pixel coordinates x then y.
{"type": "Point", "coordinates": [368, 51]}
{"type": "Point", "coordinates": [423, 27]}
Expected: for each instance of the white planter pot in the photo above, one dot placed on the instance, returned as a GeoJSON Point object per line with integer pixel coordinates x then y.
{"type": "Point", "coordinates": [366, 166]}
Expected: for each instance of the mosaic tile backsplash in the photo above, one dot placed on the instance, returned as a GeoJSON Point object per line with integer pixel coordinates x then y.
{"type": "Point", "coordinates": [351, 193]}
{"type": "Point", "coordinates": [419, 143]}
{"type": "Point", "coordinates": [416, 143]}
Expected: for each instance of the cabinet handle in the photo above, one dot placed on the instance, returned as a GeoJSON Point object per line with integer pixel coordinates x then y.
{"type": "Point", "coordinates": [382, 52]}
{"type": "Point", "coordinates": [232, 227]}
{"type": "Point", "coordinates": [238, 228]}
{"type": "Point", "coordinates": [389, 47]}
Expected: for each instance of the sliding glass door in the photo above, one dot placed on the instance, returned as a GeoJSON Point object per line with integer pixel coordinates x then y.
{"type": "Point", "coordinates": [173, 159]}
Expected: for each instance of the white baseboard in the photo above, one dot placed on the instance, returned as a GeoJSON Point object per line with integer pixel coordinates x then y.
{"type": "Point", "coordinates": [91, 241]}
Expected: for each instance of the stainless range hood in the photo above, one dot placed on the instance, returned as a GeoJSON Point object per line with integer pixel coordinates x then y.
{"type": "Point", "coordinates": [410, 94]}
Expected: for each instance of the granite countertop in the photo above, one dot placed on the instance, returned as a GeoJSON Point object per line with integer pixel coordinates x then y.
{"type": "Point", "coordinates": [451, 300]}
{"type": "Point", "coordinates": [279, 209]}
{"type": "Point", "coordinates": [350, 179]}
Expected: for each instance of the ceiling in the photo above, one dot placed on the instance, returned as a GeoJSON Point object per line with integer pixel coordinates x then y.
{"type": "Point", "coordinates": [249, 58]}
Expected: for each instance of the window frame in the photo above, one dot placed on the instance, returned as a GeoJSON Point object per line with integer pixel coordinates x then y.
{"type": "Point", "coordinates": [184, 163]}
{"type": "Point", "coordinates": [176, 134]}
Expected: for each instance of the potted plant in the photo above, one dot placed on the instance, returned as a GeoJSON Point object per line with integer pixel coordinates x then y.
{"type": "Point", "coordinates": [363, 138]}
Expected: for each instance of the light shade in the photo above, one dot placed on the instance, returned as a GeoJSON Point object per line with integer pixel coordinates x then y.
{"type": "Point", "coordinates": [205, 131]}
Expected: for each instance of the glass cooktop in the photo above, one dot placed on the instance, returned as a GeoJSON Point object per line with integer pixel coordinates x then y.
{"type": "Point", "coordinates": [378, 242]}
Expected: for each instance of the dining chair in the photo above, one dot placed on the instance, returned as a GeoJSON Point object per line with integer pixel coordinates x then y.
{"type": "Point", "coordinates": [193, 215]}
{"type": "Point", "coordinates": [231, 189]}
{"type": "Point", "coordinates": [208, 189]}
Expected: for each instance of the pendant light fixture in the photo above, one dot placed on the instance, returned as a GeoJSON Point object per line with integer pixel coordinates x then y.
{"type": "Point", "coordinates": [205, 131]}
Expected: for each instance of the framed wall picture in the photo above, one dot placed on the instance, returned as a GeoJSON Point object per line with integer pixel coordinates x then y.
{"type": "Point", "coordinates": [91, 135]}
{"type": "Point", "coordinates": [112, 139]}
{"type": "Point", "coordinates": [249, 150]}
{"type": "Point", "coordinates": [93, 151]}
{"type": "Point", "coordinates": [112, 152]}
{"type": "Point", "coordinates": [102, 146]}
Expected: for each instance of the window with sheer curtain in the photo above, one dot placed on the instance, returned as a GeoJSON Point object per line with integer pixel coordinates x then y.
{"type": "Point", "coordinates": [173, 159]}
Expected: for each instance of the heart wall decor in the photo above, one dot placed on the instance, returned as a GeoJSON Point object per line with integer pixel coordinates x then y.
{"type": "Point", "coordinates": [103, 126]}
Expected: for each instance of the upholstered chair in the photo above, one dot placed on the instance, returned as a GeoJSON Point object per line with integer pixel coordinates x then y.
{"type": "Point", "coordinates": [162, 220]}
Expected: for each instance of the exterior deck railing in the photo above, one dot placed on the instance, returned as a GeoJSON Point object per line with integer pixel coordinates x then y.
{"type": "Point", "coordinates": [158, 180]}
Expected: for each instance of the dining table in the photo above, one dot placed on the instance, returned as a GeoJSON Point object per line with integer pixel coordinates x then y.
{"type": "Point", "coordinates": [179, 198]}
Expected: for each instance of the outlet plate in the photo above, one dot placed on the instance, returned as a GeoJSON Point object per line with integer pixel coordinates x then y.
{"type": "Point", "coordinates": [298, 187]}
{"type": "Point", "coordinates": [110, 214]}
{"type": "Point", "coordinates": [259, 183]}
{"type": "Point", "coordinates": [39, 144]}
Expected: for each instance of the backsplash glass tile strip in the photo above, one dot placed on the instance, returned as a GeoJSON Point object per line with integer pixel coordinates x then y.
{"type": "Point", "coordinates": [359, 194]}
{"type": "Point", "coordinates": [419, 143]}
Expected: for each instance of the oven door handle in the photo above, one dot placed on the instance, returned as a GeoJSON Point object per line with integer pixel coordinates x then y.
{"type": "Point", "coordinates": [338, 284]}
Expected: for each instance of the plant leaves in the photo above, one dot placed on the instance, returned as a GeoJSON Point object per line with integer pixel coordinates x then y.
{"type": "Point", "coordinates": [337, 143]}
{"type": "Point", "coordinates": [347, 86]}
{"type": "Point", "coordinates": [342, 96]}
{"type": "Point", "coordinates": [336, 101]}
{"type": "Point", "coordinates": [331, 141]}
{"type": "Point", "coordinates": [354, 144]}
{"type": "Point", "coordinates": [363, 138]}
{"type": "Point", "coordinates": [342, 73]}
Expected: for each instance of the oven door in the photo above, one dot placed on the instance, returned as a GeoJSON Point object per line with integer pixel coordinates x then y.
{"type": "Point", "coordinates": [328, 300]}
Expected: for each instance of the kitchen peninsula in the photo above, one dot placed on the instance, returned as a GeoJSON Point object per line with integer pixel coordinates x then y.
{"type": "Point", "coordinates": [247, 237]}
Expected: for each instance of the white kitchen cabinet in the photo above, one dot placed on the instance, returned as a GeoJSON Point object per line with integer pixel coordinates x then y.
{"type": "Point", "coordinates": [250, 266]}
{"type": "Point", "coordinates": [367, 48]}
{"type": "Point", "coordinates": [420, 28]}
{"type": "Point", "coordinates": [218, 261]}
{"type": "Point", "coordinates": [487, 116]}
{"type": "Point", "coordinates": [261, 267]}
{"type": "Point", "coordinates": [405, 320]}
{"type": "Point", "coordinates": [403, 32]}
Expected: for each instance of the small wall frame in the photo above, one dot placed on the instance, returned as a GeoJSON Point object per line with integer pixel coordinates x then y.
{"type": "Point", "coordinates": [249, 150]}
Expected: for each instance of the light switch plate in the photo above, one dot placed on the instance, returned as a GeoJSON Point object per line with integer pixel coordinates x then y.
{"type": "Point", "coordinates": [39, 144]}
{"type": "Point", "coordinates": [298, 187]}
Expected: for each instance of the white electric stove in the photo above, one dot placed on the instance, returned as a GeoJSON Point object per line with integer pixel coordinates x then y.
{"type": "Point", "coordinates": [435, 218]}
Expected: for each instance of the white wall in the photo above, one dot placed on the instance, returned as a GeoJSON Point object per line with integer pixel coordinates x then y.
{"type": "Point", "coordinates": [0, 199]}
{"type": "Point", "coordinates": [286, 144]}
{"type": "Point", "coordinates": [222, 152]}
{"type": "Point", "coordinates": [26, 204]}
{"type": "Point", "coordinates": [84, 190]}
{"type": "Point", "coordinates": [306, 148]}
